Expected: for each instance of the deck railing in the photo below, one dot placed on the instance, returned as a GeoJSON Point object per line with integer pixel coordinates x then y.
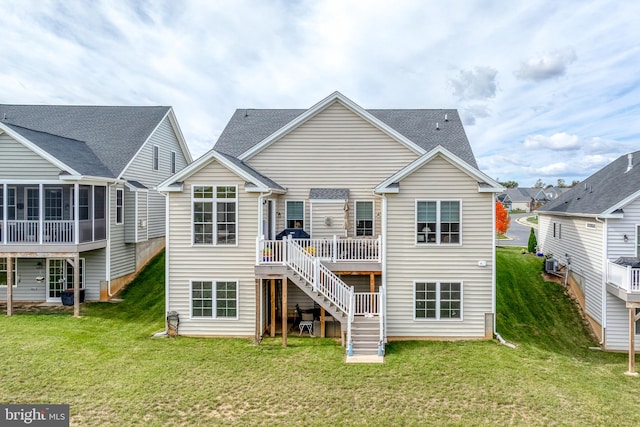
{"type": "Point", "coordinates": [625, 277]}
{"type": "Point", "coordinates": [367, 303]}
{"type": "Point", "coordinates": [330, 250]}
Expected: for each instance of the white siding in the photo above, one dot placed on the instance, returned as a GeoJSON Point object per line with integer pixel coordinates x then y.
{"type": "Point", "coordinates": [584, 246]}
{"type": "Point", "coordinates": [320, 212]}
{"type": "Point", "coordinates": [617, 331]}
{"type": "Point", "coordinates": [618, 228]}
{"type": "Point", "coordinates": [95, 272]}
{"type": "Point", "coordinates": [27, 288]}
{"type": "Point", "coordinates": [408, 262]}
{"type": "Point", "coordinates": [187, 262]}
{"type": "Point", "coordinates": [334, 149]}
{"type": "Point", "coordinates": [141, 170]}
{"type": "Point", "coordinates": [123, 255]}
{"type": "Point", "coordinates": [18, 162]}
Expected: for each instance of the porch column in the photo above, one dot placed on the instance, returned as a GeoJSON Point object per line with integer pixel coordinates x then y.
{"type": "Point", "coordinates": [322, 330]}
{"type": "Point", "coordinates": [272, 328]}
{"type": "Point", "coordinates": [76, 213]}
{"type": "Point", "coordinates": [632, 337]}
{"type": "Point", "coordinates": [9, 286]}
{"type": "Point", "coordinates": [76, 286]}
{"type": "Point", "coordinates": [5, 212]}
{"type": "Point", "coordinates": [284, 312]}
{"type": "Point", "coordinates": [40, 212]}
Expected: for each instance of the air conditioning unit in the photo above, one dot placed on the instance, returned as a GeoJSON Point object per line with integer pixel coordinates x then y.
{"type": "Point", "coordinates": [551, 265]}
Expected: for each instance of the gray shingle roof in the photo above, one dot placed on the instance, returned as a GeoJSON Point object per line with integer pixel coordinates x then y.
{"type": "Point", "coordinates": [601, 191]}
{"type": "Point", "coordinates": [113, 133]}
{"type": "Point", "coordinates": [251, 171]}
{"type": "Point", "coordinates": [329, 194]}
{"type": "Point", "coordinates": [248, 127]}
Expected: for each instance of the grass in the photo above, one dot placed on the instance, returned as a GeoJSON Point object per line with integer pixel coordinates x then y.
{"type": "Point", "coordinates": [111, 372]}
{"type": "Point", "coordinates": [533, 219]}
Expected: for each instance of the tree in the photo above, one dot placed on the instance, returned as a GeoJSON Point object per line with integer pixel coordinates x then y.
{"type": "Point", "coordinates": [575, 182]}
{"type": "Point", "coordinates": [561, 183]}
{"type": "Point", "coordinates": [539, 184]}
{"type": "Point", "coordinates": [533, 242]}
{"type": "Point", "coordinates": [508, 184]}
{"type": "Point", "coordinates": [502, 218]}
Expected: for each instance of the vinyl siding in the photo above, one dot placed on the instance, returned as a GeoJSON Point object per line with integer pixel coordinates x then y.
{"type": "Point", "coordinates": [334, 149]}
{"type": "Point", "coordinates": [617, 331]}
{"type": "Point", "coordinates": [27, 289]}
{"type": "Point", "coordinates": [129, 216]}
{"type": "Point", "coordinates": [408, 262]}
{"type": "Point", "coordinates": [95, 272]}
{"type": "Point", "coordinates": [584, 246]}
{"type": "Point", "coordinates": [321, 211]}
{"type": "Point", "coordinates": [18, 162]}
{"type": "Point", "coordinates": [187, 262]}
{"type": "Point", "coordinates": [123, 255]}
{"type": "Point", "coordinates": [618, 228]}
{"type": "Point", "coordinates": [141, 170]}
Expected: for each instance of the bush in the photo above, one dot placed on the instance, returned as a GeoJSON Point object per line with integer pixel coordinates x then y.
{"type": "Point", "coordinates": [533, 242]}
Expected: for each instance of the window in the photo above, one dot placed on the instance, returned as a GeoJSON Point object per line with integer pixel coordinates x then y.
{"type": "Point", "coordinates": [156, 157]}
{"type": "Point", "coordinates": [295, 214]}
{"type": "Point", "coordinates": [119, 205]}
{"type": "Point", "coordinates": [11, 203]}
{"type": "Point", "coordinates": [438, 222]}
{"type": "Point", "coordinates": [32, 194]}
{"type": "Point", "coordinates": [52, 204]}
{"type": "Point", "coordinates": [438, 300]}
{"type": "Point", "coordinates": [214, 299]}
{"type": "Point", "coordinates": [219, 206]}
{"type": "Point", "coordinates": [557, 230]}
{"type": "Point", "coordinates": [83, 202]}
{"type": "Point", "coordinates": [364, 218]}
{"type": "Point", "coordinates": [173, 162]}
{"type": "Point", "coordinates": [3, 272]}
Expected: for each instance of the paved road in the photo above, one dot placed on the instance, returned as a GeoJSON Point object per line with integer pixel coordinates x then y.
{"type": "Point", "coordinates": [517, 232]}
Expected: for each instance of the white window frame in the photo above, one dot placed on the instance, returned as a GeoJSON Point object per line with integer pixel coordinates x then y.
{"type": "Point", "coordinates": [3, 268]}
{"type": "Point", "coordinates": [355, 218]}
{"type": "Point", "coordinates": [286, 213]}
{"type": "Point", "coordinates": [14, 207]}
{"type": "Point", "coordinates": [438, 317]}
{"type": "Point", "coordinates": [214, 200]}
{"type": "Point", "coordinates": [155, 158]}
{"type": "Point", "coordinates": [173, 162]}
{"type": "Point", "coordinates": [438, 232]}
{"type": "Point", "coordinates": [119, 207]}
{"type": "Point", "coordinates": [214, 300]}
{"type": "Point", "coordinates": [46, 214]}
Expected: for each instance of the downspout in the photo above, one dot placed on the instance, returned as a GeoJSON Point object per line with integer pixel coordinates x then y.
{"type": "Point", "coordinates": [603, 279]}
{"type": "Point", "coordinates": [108, 266]}
{"type": "Point", "coordinates": [383, 276]}
{"type": "Point", "coordinates": [167, 259]}
{"type": "Point", "coordinates": [261, 201]}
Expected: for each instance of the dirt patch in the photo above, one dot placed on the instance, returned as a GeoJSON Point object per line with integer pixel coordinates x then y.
{"type": "Point", "coordinates": [36, 308]}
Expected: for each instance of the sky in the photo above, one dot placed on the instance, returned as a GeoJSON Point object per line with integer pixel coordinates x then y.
{"type": "Point", "coordinates": [547, 90]}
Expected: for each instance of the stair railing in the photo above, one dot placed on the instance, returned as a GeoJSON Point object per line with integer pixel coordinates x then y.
{"type": "Point", "coordinates": [352, 309]}
{"type": "Point", "coordinates": [319, 276]}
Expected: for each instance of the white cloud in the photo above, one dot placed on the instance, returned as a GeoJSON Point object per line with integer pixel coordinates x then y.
{"type": "Point", "coordinates": [476, 84]}
{"type": "Point", "coordinates": [546, 66]}
{"type": "Point", "coordinates": [208, 58]}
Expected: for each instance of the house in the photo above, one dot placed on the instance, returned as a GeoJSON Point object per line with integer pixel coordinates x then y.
{"type": "Point", "coordinates": [376, 224]}
{"type": "Point", "coordinates": [77, 189]}
{"type": "Point", "coordinates": [518, 199]}
{"type": "Point", "coordinates": [593, 229]}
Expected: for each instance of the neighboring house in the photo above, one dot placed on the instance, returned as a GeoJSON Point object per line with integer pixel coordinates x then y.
{"type": "Point", "coordinates": [594, 230]}
{"type": "Point", "coordinates": [517, 199]}
{"type": "Point", "coordinates": [401, 226]}
{"type": "Point", "coordinates": [77, 188]}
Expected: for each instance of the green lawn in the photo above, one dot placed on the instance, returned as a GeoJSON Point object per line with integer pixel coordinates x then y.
{"type": "Point", "coordinates": [111, 372]}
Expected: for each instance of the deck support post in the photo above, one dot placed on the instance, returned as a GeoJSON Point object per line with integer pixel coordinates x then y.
{"type": "Point", "coordinates": [322, 326]}
{"type": "Point", "coordinates": [10, 286]}
{"type": "Point", "coordinates": [633, 317]}
{"type": "Point", "coordinates": [272, 328]}
{"type": "Point", "coordinates": [76, 286]}
{"type": "Point", "coordinates": [258, 305]}
{"type": "Point", "coordinates": [285, 313]}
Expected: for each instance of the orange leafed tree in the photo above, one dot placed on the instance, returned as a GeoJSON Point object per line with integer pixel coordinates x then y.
{"type": "Point", "coordinates": [502, 218]}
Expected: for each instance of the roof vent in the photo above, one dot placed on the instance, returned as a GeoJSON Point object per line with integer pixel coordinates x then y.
{"type": "Point", "coordinates": [446, 119]}
{"type": "Point", "coordinates": [437, 126]}
{"type": "Point", "coordinates": [4, 116]}
{"type": "Point", "coordinates": [630, 164]}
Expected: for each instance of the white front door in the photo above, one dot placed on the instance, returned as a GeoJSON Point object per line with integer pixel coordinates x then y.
{"type": "Point", "coordinates": [60, 277]}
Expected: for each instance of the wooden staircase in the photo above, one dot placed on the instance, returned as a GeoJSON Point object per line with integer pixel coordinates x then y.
{"type": "Point", "coordinates": [338, 299]}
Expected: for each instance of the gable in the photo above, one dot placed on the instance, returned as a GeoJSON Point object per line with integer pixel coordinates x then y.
{"type": "Point", "coordinates": [334, 149]}
{"type": "Point", "coordinates": [19, 162]}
